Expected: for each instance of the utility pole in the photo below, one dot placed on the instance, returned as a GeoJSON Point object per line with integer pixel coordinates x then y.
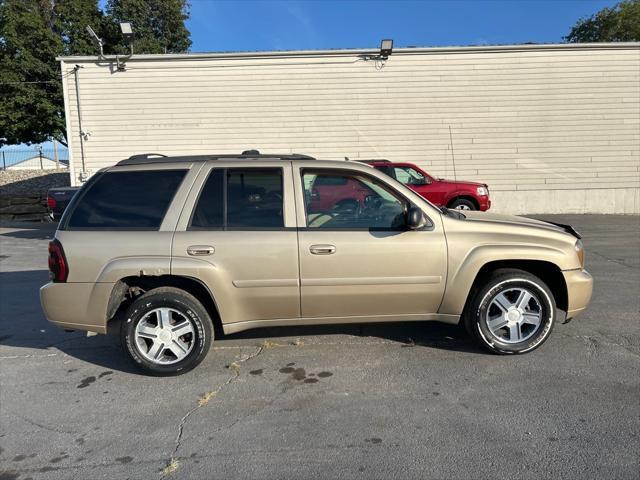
{"type": "Point", "coordinates": [40, 155]}
{"type": "Point", "coordinates": [55, 154]}
{"type": "Point", "coordinates": [4, 162]}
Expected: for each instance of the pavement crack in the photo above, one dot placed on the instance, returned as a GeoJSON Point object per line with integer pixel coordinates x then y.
{"type": "Point", "coordinates": [613, 260]}
{"type": "Point", "coordinates": [173, 464]}
{"type": "Point", "coordinates": [594, 343]}
{"type": "Point", "coordinates": [46, 427]}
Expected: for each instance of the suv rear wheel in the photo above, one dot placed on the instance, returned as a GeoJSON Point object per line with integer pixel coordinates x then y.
{"type": "Point", "coordinates": [512, 312]}
{"type": "Point", "coordinates": [166, 331]}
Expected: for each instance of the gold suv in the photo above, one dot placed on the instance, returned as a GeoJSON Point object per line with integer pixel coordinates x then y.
{"type": "Point", "coordinates": [170, 245]}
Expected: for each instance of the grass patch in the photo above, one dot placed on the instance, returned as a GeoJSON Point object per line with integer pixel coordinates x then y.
{"type": "Point", "coordinates": [204, 399]}
{"type": "Point", "coordinates": [171, 467]}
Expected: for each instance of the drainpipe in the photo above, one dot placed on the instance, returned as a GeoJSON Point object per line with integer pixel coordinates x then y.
{"type": "Point", "coordinates": [83, 174]}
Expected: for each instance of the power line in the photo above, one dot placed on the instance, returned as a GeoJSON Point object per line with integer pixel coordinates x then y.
{"type": "Point", "coordinates": [21, 82]}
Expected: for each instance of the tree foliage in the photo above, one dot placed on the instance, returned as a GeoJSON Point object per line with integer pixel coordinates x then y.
{"type": "Point", "coordinates": [158, 24]}
{"type": "Point", "coordinates": [34, 32]}
{"type": "Point", "coordinates": [621, 23]}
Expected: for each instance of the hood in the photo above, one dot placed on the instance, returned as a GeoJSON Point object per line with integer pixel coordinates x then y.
{"type": "Point", "coordinates": [461, 183]}
{"type": "Point", "coordinates": [497, 218]}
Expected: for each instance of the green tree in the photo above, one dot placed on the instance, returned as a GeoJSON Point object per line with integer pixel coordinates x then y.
{"type": "Point", "coordinates": [621, 23]}
{"type": "Point", "coordinates": [34, 32]}
{"type": "Point", "coordinates": [29, 87]}
{"type": "Point", "coordinates": [158, 25]}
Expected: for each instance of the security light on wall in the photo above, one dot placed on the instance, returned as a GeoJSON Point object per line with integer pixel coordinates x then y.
{"type": "Point", "coordinates": [96, 38]}
{"type": "Point", "coordinates": [386, 48]}
{"type": "Point", "coordinates": [127, 34]}
{"type": "Point", "coordinates": [127, 31]}
{"type": "Point", "coordinates": [380, 58]}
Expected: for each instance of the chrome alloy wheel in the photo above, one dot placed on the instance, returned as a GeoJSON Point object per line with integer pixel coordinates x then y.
{"type": "Point", "coordinates": [463, 207]}
{"type": "Point", "coordinates": [514, 315]}
{"type": "Point", "coordinates": [165, 336]}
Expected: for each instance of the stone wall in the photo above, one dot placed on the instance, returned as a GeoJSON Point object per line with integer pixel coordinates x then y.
{"type": "Point", "coordinates": [25, 208]}
{"type": "Point", "coordinates": [31, 182]}
{"type": "Point", "coordinates": [23, 193]}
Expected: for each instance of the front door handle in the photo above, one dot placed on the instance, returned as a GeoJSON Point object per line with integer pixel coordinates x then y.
{"type": "Point", "coordinates": [322, 249]}
{"type": "Point", "coordinates": [198, 250]}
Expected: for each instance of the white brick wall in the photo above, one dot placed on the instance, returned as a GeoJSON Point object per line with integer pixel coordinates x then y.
{"type": "Point", "coordinates": [549, 128]}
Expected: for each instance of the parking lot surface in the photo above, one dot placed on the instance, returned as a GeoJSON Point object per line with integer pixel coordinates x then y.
{"type": "Point", "coordinates": [386, 401]}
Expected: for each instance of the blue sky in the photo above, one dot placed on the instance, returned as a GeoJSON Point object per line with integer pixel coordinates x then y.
{"type": "Point", "coordinates": [246, 25]}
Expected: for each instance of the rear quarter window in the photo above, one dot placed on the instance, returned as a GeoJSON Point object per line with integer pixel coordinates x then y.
{"type": "Point", "coordinates": [126, 201]}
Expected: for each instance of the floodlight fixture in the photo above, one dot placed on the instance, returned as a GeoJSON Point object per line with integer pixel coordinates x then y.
{"type": "Point", "coordinates": [126, 30]}
{"type": "Point", "coordinates": [96, 38]}
{"type": "Point", "coordinates": [386, 48]}
{"type": "Point", "coordinates": [127, 33]}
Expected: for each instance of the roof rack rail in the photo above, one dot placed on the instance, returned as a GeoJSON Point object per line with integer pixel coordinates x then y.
{"type": "Point", "coordinates": [381, 160]}
{"type": "Point", "coordinates": [283, 156]}
{"type": "Point", "coordinates": [146, 158]}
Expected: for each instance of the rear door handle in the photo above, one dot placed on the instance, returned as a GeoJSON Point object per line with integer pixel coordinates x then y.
{"type": "Point", "coordinates": [198, 250]}
{"type": "Point", "coordinates": [322, 249]}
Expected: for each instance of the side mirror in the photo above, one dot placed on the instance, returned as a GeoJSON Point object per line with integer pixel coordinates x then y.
{"type": "Point", "coordinates": [415, 218]}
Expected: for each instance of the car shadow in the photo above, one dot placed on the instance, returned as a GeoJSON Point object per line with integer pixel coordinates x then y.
{"type": "Point", "coordinates": [406, 334]}
{"type": "Point", "coordinates": [23, 326]}
{"type": "Point", "coordinates": [29, 230]}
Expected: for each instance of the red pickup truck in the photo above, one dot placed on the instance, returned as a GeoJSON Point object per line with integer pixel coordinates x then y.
{"type": "Point", "coordinates": [441, 192]}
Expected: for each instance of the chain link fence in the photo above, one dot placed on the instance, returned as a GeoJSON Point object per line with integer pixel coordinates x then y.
{"type": "Point", "coordinates": [37, 158]}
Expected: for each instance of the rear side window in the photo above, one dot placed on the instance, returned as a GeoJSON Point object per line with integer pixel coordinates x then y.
{"type": "Point", "coordinates": [127, 200]}
{"type": "Point", "coordinates": [240, 198]}
{"type": "Point", "coordinates": [209, 212]}
{"type": "Point", "coordinates": [254, 198]}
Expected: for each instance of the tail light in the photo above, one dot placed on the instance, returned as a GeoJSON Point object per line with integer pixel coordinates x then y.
{"type": "Point", "coordinates": [51, 202]}
{"type": "Point", "coordinates": [57, 262]}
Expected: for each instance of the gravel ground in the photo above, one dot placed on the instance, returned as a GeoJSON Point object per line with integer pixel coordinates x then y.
{"type": "Point", "coordinates": [388, 401]}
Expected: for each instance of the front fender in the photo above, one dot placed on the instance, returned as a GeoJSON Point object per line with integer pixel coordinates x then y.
{"type": "Point", "coordinates": [464, 269]}
{"type": "Point", "coordinates": [458, 193]}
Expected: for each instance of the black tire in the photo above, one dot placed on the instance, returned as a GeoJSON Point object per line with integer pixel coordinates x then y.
{"type": "Point", "coordinates": [508, 281]}
{"type": "Point", "coordinates": [463, 204]}
{"type": "Point", "coordinates": [186, 305]}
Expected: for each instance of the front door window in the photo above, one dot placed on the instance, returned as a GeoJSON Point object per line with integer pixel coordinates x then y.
{"type": "Point", "coordinates": [409, 176]}
{"type": "Point", "coordinates": [350, 200]}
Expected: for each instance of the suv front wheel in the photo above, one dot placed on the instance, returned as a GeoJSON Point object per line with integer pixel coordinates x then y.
{"type": "Point", "coordinates": [166, 331]}
{"type": "Point", "coordinates": [512, 312]}
{"type": "Point", "coordinates": [462, 204]}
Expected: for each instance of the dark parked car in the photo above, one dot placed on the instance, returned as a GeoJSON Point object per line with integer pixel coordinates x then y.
{"type": "Point", "coordinates": [58, 199]}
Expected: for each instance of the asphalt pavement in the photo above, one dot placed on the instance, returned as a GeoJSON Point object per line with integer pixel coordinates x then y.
{"type": "Point", "coordinates": [401, 401]}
